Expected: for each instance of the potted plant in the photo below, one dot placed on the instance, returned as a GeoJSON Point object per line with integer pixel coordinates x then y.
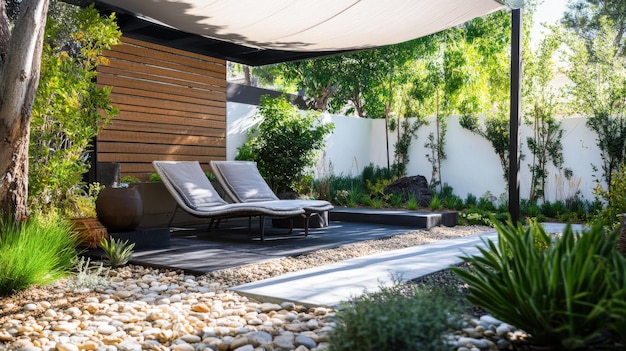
{"type": "Point", "coordinates": [119, 209]}
{"type": "Point", "coordinates": [83, 216]}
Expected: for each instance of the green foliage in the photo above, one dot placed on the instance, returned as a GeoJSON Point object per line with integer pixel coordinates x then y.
{"type": "Point", "coordinates": [318, 78]}
{"type": "Point", "coordinates": [486, 202]}
{"type": "Point", "coordinates": [496, 131]}
{"type": "Point", "coordinates": [585, 17]}
{"type": "Point", "coordinates": [395, 200]}
{"type": "Point", "coordinates": [529, 208]}
{"type": "Point", "coordinates": [476, 216]}
{"type": "Point", "coordinates": [436, 143]}
{"type": "Point", "coordinates": [448, 199]}
{"type": "Point", "coordinates": [545, 144]}
{"type": "Point", "coordinates": [88, 276]}
{"type": "Point", "coordinates": [615, 199]}
{"type": "Point", "coordinates": [155, 177]}
{"type": "Point", "coordinates": [323, 186]}
{"type": "Point", "coordinates": [598, 92]}
{"type": "Point", "coordinates": [376, 203]}
{"type": "Point", "coordinates": [406, 131]}
{"type": "Point", "coordinates": [396, 318]}
{"type": "Point", "coordinates": [377, 190]}
{"type": "Point", "coordinates": [435, 203]}
{"type": "Point", "coordinates": [568, 293]}
{"type": "Point", "coordinates": [117, 252]}
{"type": "Point", "coordinates": [471, 200]}
{"type": "Point", "coordinates": [345, 190]}
{"type": "Point", "coordinates": [285, 144]}
{"type": "Point", "coordinates": [130, 179]}
{"type": "Point", "coordinates": [83, 203]}
{"type": "Point", "coordinates": [38, 250]}
{"type": "Point", "coordinates": [412, 204]}
{"type": "Point", "coordinates": [69, 108]}
{"type": "Point", "coordinates": [373, 174]}
{"type": "Point", "coordinates": [365, 200]}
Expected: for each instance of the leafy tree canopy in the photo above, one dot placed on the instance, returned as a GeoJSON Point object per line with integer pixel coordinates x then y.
{"type": "Point", "coordinates": [584, 17]}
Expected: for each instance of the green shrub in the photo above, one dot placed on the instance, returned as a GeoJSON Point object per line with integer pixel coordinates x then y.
{"type": "Point", "coordinates": [396, 318]}
{"type": "Point", "coordinates": [285, 144]}
{"type": "Point", "coordinates": [376, 203]}
{"type": "Point", "coordinates": [471, 200]}
{"type": "Point", "coordinates": [373, 174]}
{"type": "Point", "coordinates": [529, 208]}
{"type": "Point", "coordinates": [476, 216]}
{"type": "Point", "coordinates": [412, 204]}
{"type": "Point", "coordinates": [567, 292]}
{"type": "Point", "coordinates": [88, 276]}
{"type": "Point", "coordinates": [435, 203]}
{"type": "Point", "coordinates": [39, 250]}
{"type": "Point", "coordinates": [154, 178]}
{"type": "Point", "coordinates": [365, 200]}
{"type": "Point", "coordinates": [614, 197]}
{"type": "Point", "coordinates": [70, 108]}
{"type": "Point", "coordinates": [486, 202]}
{"type": "Point", "coordinates": [377, 189]}
{"type": "Point", "coordinates": [132, 179]}
{"type": "Point", "coordinates": [395, 200]}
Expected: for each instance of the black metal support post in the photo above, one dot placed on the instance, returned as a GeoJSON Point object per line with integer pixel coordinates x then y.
{"type": "Point", "coordinates": [516, 112]}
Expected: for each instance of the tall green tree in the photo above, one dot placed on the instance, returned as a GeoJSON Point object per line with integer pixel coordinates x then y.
{"type": "Point", "coordinates": [20, 58]}
{"type": "Point", "coordinates": [598, 92]}
{"type": "Point", "coordinates": [487, 91]}
{"type": "Point", "coordinates": [540, 113]}
{"type": "Point", "coordinates": [317, 78]}
{"type": "Point", "coordinates": [586, 18]}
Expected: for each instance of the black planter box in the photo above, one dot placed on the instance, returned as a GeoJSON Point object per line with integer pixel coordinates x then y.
{"type": "Point", "coordinates": [158, 238]}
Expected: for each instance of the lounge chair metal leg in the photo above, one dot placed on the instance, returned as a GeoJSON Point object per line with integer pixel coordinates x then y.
{"type": "Point", "coordinates": [169, 224]}
{"type": "Point", "coordinates": [262, 227]}
{"type": "Point", "coordinates": [306, 225]}
{"type": "Point", "coordinates": [211, 224]}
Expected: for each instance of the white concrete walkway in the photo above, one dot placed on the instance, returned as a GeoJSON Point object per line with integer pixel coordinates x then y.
{"type": "Point", "coordinates": [330, 284]}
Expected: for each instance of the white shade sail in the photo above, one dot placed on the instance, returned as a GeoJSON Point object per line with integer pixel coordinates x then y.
{"type": "Point", "coordinates": [308, 25]}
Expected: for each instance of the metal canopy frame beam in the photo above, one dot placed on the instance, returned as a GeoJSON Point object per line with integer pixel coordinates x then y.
{"type": "Point", "coordinates": [515, 114]}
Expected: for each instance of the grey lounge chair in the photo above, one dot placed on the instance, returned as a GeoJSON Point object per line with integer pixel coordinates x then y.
{"type": "Point", "coordinates": [195, 194]}
{"type": "Point", "coordinates": [243, 183]}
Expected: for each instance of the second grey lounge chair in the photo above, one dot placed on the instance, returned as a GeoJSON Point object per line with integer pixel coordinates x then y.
{"type": "Point", "coordinates": [243, 183]}
{"type": "Point", "coordinates": [194, 193]}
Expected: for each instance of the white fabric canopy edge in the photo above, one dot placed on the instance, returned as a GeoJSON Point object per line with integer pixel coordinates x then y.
{"type": "Point", "coordinates": [310, 25]}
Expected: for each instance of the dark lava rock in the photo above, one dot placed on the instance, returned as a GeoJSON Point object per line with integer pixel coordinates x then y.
{"type": "Point", "coordinates": [411, 187]}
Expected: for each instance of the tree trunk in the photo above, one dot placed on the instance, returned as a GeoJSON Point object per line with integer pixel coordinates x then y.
{"type": "Point", "coordinates": [19, 77]}
{"type": "Point", "coordinates": [247, 77]}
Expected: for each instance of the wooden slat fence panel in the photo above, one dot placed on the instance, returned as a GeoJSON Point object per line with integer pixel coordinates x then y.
{"type": "Point", "coordinates": [172, 107]}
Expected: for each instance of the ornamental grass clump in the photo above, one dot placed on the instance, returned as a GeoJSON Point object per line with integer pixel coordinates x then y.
{"type": "Point", "coordinates": [38, 250]}
{"type": "Point", "coordinates": [567, 292]}
{"type": "Point", "coordinates": [396, 318]}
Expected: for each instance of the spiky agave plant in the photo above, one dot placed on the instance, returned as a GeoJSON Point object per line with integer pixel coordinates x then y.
{"type": "Point", "coordinates": [118, 252]}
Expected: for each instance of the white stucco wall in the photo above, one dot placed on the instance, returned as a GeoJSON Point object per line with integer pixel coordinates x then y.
{"type": "Point", "coordinates": [471, 165]}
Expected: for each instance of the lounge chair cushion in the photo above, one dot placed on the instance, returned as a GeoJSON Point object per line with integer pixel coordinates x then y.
{"type": "Point", "coordinates": [196, 191]}
{"type": "Point", "coordinates": [243, 181]}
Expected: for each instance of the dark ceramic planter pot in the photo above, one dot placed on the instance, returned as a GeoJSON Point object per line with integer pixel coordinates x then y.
{"type": "Point", "coordinates": [119, 209]}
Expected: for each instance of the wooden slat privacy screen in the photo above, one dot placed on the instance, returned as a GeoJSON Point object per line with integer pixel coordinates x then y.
{"type": "Point", "coordinates": [172, 106]}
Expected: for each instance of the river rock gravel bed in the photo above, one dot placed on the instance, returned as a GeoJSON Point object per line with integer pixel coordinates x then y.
{"type": "Point", "coordinates": [149, 309]}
